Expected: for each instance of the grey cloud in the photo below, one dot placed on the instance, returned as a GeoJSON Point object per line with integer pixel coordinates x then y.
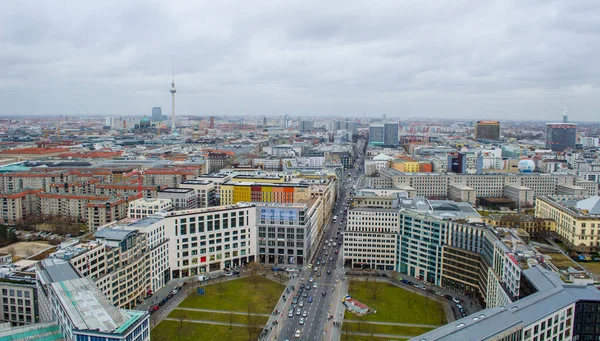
{"type": "Point", "coordinates": [471, 59]}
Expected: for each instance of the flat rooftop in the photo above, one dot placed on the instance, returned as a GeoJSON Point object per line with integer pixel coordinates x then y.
{"type": "Point", "coordinates": [552, 296]}
{"type": "Point", "coordinates": [176, 190]}
{"type": "Point", "coordinates": [87, 307]}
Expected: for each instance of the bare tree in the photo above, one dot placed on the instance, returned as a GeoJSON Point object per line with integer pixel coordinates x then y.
{"type": "Point", "coordinates": [231, 316]}
{"type": "Point", "coordinates": [395, 275]}
{"type": "Point", "coordinates": [220, 288]}
{"type": "Point", "coordinates": [253, 272]}
{"type": "Point", "coordinates": [375, 290]}
{"type": "Point", "coordinates": [252, 325]}
{"type": "Point", "coordinates": [372, 328]}
{"type": "Point", "coordinates": [345, 328]}
{"type": "Point", "coordinates": [360, 321]}
{"type": "Point", "coordinates": [270, 299]}
{"type": "Point", "coordinates": [180, 315]}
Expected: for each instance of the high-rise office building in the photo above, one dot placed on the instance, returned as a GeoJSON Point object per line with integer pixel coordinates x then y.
{"type": "Point", "coordinates": [487, 130]}
{"type": "Point", "coordinates": [560, 136]}
{"type": "Point", "coordinates": [376, 134]}
{"type": "Point", "coordinates": [157, 114]}
{"type": "Point", "coordinates": [306, 126]}
{"type": "Point", "coordinates": [390, 137]}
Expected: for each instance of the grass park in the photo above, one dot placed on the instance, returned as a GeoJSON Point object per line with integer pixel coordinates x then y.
{"type": "Point", "coordinates": [251, 298]}
{"type": "Point", "coordinates": [394, 304]}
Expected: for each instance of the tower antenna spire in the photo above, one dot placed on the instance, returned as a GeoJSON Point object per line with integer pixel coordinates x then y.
{"type": "Point", "coordinates": [173, 91]}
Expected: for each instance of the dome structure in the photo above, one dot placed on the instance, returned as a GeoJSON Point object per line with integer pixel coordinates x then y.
{"type": "Point", "coordinates": [526, 166]}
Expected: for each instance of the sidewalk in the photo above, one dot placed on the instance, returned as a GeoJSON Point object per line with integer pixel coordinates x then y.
{"type": "Point", "coordinates": [399, 324]}
{"type": "Point", "coordinates": [219, 311]}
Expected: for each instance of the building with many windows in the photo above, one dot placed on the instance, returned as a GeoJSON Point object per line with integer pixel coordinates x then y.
{"type": "Point", "coordinates": [182, 198]}
{"type": "Point", "coordinates": [553, 311]}
{"type": "Point", "coordinates": [560, 136]}
{"type": "Point", "coordinates": [117, 261]}
{"type": "Point", "coordinates": [487, 131]}
{"type": "Point", "coordinates": [288, 232]}
{"type": "Point", "coordinates": [19, 301]}
{"type": "Point", "coordinates": [79, 310]}
{"type": "Point", "coordinates": [577, 220]}
{"type": "Point", "coordinates": [141, 208]}
{"type": "Point", "coordinates": [206, 192]}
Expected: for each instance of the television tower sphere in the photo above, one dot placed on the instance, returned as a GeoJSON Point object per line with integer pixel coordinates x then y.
{"type": "Point", "coordinates": [526, 166]}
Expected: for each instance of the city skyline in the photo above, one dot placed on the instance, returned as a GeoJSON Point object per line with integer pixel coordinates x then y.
{"type": "Point", "coordinates": [468, 60]}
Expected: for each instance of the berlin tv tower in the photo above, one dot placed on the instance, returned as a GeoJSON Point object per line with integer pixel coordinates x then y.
{"type": "Point", "coordinates": [173, 91]}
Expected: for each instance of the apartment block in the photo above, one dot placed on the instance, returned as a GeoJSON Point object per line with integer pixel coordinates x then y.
{"type": "Point", "coordinates": [170, 177]}
{"type": "Point", "coordinates": [15, 206]}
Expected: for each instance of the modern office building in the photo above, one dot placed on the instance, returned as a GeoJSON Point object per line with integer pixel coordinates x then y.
{"type": "Point", "coordinates": [376, 134]}
{"type": "Point", "coordinates": [156, 114]}
{"type": "Point", "coordinates": [306, 126]}
{"type": "Point", "coordinates": [288, 232]}
{"type": "Point", "coordinates": [80, 310]}
{"type": "Point", "coordinates": [234, 192]}
{"type": "Point", "coordinates": [19, 301]}
{"type": "Point", "coordinates": [560, 136]}
{"type": "Point", "coordinates": [487, 131]}
{"type": "Point", "coordinates": [391, 136]}
{"type": "Point", "coordinates": [118, 262]}
{"type": "Point", "coordinates": [554, 311]}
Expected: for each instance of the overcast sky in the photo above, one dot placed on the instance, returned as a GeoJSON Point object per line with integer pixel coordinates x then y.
{"type": "Point", "coordinates": [464, 59]}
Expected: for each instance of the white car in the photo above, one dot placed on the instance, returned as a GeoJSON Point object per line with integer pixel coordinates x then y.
{"type": "Point", "coordinates": [314, 285]}
{"type": "Point", "coordinates": [291, 313]}
{"type": "Point", "coordinates": [456, 300]}
{"type": "Point", "coordinates": [298, 312]}
{"type": "Point", "coordinates": [297, 335]}
{"type": "Point", "coordinates": [301, 304]}
{"type": "Point", "coordinates": [304, 314]}
{"type": "Point", "coordinates": [311, 279]}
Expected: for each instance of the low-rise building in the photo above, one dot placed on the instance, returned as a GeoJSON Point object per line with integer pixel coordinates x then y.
{"type": "Point", "coordinates": [577, 220]}
{"type": "Point", "coordinates": [206, 191]}
{"type": "Point", "coordinates": [141, 208]}
{"type": "Point", "coordinates": [182, 198]}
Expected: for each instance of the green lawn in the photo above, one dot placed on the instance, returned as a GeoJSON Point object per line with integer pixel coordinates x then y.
{"type": "Point", "coordinates": [238, 295]}
{"type": "Point", "coordinates": [219, 317]}
{"type": "Point", "coordinates": [385, 329]}
{"type": "Point", "coordinates": [394, 304]}
{"type": "Point", "coordinates": [593, 267]}
{"type": "Point", "coordinates": [170, 331]}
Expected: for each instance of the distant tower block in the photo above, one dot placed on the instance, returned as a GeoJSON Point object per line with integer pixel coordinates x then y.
{"type": "Point", "coordinates": [211, 125]}
{"type": "Point", "coordinates": [173, 91]}
{"type": "Point", "coordinates": [265, 121]}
